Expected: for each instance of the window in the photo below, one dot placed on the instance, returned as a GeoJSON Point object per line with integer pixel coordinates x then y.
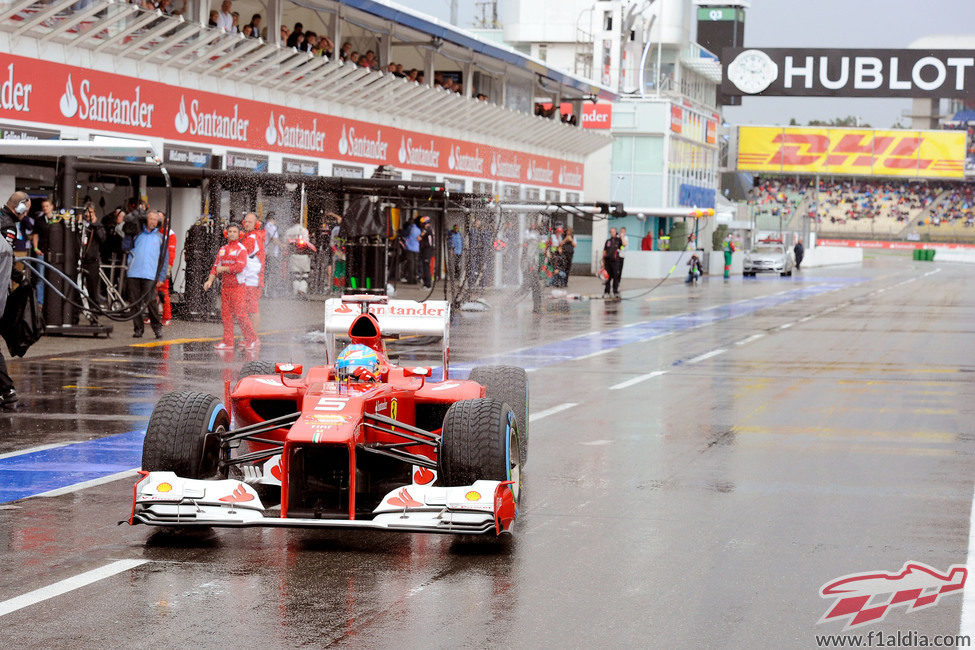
{"type": "Point", "coordinates": [608, 21]}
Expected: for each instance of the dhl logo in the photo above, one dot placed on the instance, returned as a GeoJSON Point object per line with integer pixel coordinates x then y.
{"type": "Point", "coordinates": [842, 151]}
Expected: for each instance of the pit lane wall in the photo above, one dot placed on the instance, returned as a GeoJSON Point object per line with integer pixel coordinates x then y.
{"type": "Point", "coordinates": [964, 253]}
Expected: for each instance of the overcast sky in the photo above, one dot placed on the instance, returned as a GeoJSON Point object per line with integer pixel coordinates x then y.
{"type": "Point", "coordinates": [815, 23]}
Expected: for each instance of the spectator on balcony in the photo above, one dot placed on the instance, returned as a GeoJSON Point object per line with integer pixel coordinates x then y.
{"type": "Point", "coordinates": [413, 74]}
{"type": "Point", "coordinates": [311, 42]}
{"type": "Point", "coordinates": [354, 58]}
{"type": "Point", "coordinates": [255, 24]}
{"type": "Point", "coordinates": [225, 19]}
{"type": "Point", "coordinates": [214, 15]}
{"type": "Point", "coordinates": [247, 31]}
{"type": "Point", "coordinates": [297, 32]}
{"type": "Point", "coordinates": [346, 51]}
{"type": "Point", "coordinates": [166, 7]}
{"type": "Point", "coordinates": [235, 27]}
{"type": "Point", "coordinates": [371, 61]}
{"type": "Point", "coordinates": [326, 46]}
{"type": "Point", "coordinates": [285, 34]}
{"type": "Point", "coordinates": [481, 97]}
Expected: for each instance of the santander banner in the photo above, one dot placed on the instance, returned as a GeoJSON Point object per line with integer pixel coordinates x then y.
{"type": "Point", "coordinates": [72, 96]}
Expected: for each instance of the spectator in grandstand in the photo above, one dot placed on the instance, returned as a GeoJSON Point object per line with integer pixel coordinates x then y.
{"type": "Point", "coordinates": [214, 17]}
{"type": "Point", "coordinates": [166, 7]}
{"type": "Point", "coordinates": [247, 31]}
{"type": "Point", "coordinates": [370, 60]}
{"type": "Point", "coordinates": [420, 77]}
{"type": "Point", "coordinates": [481, 97]}
{"type": "Point", "coordinates": [326, 46]}
{"type": "Point", "coordinates": [345, 51]}
{"type": "Point", "coordinates": [311, 42]}
{"type": "Point", "coordinates": [225, 19]}
{"type": "Point", "coordinates": [255, 24]}
{"type": "Point", "coordinates": [295, 33]}
{"type": "Point", "coordinates": [285, 34]}
{"type": "Point", "coordinates": [354, 57]}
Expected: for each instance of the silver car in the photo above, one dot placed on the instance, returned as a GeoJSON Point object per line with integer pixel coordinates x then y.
{"type": "Point", "coordinates": [768, 258]}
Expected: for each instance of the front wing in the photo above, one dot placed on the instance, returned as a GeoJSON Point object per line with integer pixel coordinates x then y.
{"type": "Point", "coordinates": [164, 499]}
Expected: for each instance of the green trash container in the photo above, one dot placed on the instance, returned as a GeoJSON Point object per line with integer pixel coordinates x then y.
{"type": "Point", "coordinates": [916, 254]}
{"type": "Point", "coordinates": [930, 253]}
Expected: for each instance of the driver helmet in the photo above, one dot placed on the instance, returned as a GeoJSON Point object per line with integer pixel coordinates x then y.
{"type": "Point", "coordinates": [356, 360]}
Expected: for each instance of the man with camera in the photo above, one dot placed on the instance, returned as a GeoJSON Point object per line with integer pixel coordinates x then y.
{"type": "Point", "coordinates": [11, 214]}
{"type": "Point", "coordinates": [146, 274]}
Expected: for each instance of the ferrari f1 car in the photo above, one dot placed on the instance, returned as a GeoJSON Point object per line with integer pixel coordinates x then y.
{"type": "Point", "coordinates": [356, 443]}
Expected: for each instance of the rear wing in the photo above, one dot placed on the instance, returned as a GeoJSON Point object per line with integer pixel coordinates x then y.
{"type": "Point", "coordinates": [396, 318]}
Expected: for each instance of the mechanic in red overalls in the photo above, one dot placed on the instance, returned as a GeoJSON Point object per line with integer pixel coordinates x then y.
{"type": "Point", "coordinates": [231, 266]}
{"type": "Point", "coordinates": [255, 242]}
{"type": "Point", "coordinates": [167, 308]}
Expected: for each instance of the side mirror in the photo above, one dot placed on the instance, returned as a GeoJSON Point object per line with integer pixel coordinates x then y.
{"type": "Point", "coordinates": [417, 372]}
{"type": "Point", "coordinates": [288, 368]}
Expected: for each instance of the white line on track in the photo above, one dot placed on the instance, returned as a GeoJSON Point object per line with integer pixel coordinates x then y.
{"type": "Point", "coordinates": [551, 411]}
{"type": "Point", "coordinates": [932, 272]}
{"type": "Point", "coordinates": [594, 354]}
{"type": "Point", "coordinates": [707, 355]}
{"type": "Point", "coordinates": [638, 379]}
{"type": "Point", "coordinates": [66, 585]}
{"type": "Point", "coordinates": [753, 337]}
{"type": "Point", "coordinates": [806, 318]}
{"type": "Point", "coordinates": [786, 326]}
{"type": "Point", "coordinates": [67, 489]}
{"type": "Point", "coordinates": [31, 450]}
{"type": "Point", "coordinates": [968, 595]}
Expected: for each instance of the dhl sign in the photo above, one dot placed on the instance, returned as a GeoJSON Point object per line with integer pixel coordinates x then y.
{"type": "Point", "coordinates": [852, 152]}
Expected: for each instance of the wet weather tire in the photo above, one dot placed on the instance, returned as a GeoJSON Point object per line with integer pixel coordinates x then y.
{"type": "Point", "coordinates": [508, 384]}
{"type": "Point", "coordinates": [184, 435]}
{"type": "Point", "coordinates": [256, 368]}
{"type": "Point", "coordinates": [479, 441]}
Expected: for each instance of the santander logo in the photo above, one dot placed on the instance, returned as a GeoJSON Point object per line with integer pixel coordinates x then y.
{"type": "Point", "coordinates": [91, 106]}
{"type": "Point", "coordinates": [504, 169]}
{"type": "Point", "coordinates": [458, 161]}
{"type": "Point", "coordinates": [182, 121]}
{"type": "Point", "coordinates": [538, 173]}
{"type": "Point", "coordinates": [68, 103]}
{"type": "Point", "coordinates": [417, 155]}
{"type": "Point", "coordinates": [566, 177]}
{"type": "Point", "coordinates": [363, 146]}
{"type": "Point", "coordinates": [270, 133]}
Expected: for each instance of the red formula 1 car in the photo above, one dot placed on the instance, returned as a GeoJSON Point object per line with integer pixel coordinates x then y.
{"type": "Point", "coordinates": [346, 445]}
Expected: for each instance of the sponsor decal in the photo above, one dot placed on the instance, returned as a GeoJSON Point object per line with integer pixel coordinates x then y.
{"type": "Point", "coordinates": [473, 496]}
{"type": "Point", "coordinates": [423, 475]}
{"type": "Point", "coordinates": [164, 487]}
{"type": "Point", "coordinates": [458, 161]}
{"type": "Point", "coordinates": [410, 154]}
{"type": "Point", "coordinates": [11, 132]}
{"type": "Point", "coordinates": [865, 598]}
{"type": "Point", "coordinates": [185, 156]}
{"type": "Point", "coordinates": [210, 124]}
{"type": "Point", "coordinates": [277, 471]}
{"type": "Point", "coordinates": [239, 495]}
{"type": "Point", "coordinates": [294, 136]}
{"type": "Point", "coordinates": [15, 95]}
{"type": "Point", "coordinates": [403, 500]}
{"type": "Point", "coordinates": [504, 168]}
{"type": "Point", "coordinates": [819, 72]}
{"type": "Point", "coordinates": [296, 166]}
{"type": "Point", "coordinates": [109, 109]}
{"type": "Point", "coordinates": [570, 178]}
{"type": "Point", "coordinates": [327, 419]}
{"type": "Point", "coordinates": [393, 404]}
{"type": "Point", "coordinates": [926, 154]}
{"type": "Point", "coordinates": [382, 406]}
{"type": "Point", "coordinates": [539, 174]}
{"type": "Point", "coordinates": [362, 146]}
{"type": "Point", "coordinates": [676, 119]}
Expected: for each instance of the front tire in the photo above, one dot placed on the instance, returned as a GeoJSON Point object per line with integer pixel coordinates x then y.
{"type": "Point", "coordinates": [480, 441]}
{"type": "Point", "coordinates": [508, 384]}
{"type": "Point", "coordinates": [184, 435]}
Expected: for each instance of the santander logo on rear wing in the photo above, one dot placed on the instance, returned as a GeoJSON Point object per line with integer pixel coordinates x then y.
{"type": "Point", "coordinates": [396, 318]}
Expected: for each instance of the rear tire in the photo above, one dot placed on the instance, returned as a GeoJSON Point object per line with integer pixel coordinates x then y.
{"type": "Point", "coordinates": [508, 384]}
{"type": "Point", "coordinates": [479, 441]}
{"type": "Point", "coordinates": [184, 435]}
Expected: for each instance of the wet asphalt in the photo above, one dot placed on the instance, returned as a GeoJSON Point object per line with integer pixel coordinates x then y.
{"type": "Point", "coordinates": [703, 459]}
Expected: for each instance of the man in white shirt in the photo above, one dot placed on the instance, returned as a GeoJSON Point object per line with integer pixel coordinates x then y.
{"type": "Point", "coordinates": [225, 19]}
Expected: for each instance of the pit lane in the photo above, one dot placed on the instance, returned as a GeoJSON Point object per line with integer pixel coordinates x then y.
{"type": "Point", "coordinates": [703, 460]}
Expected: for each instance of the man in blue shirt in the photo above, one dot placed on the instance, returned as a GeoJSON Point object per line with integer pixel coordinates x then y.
{"type": "Point", "coordinates": [456, 251]}
{"type": "Point", "coordinates": [413, 253]}
{"type": "Point", "coordinates": [145, 274]}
